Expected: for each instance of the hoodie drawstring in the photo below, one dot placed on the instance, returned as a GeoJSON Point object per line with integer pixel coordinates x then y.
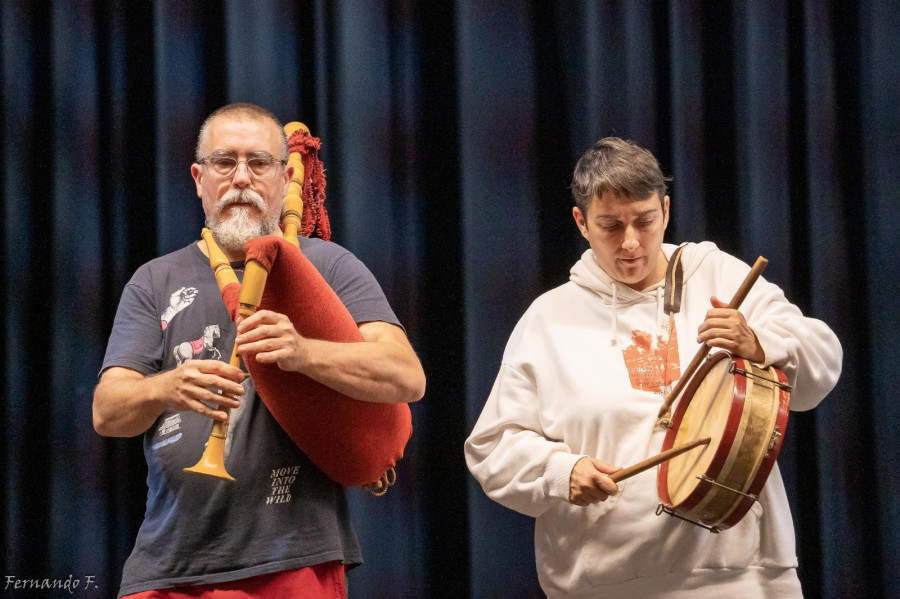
{"type": "Point", "coordinates": [612, 338]}
{"type": "Point", "coordinates": [660, 332]}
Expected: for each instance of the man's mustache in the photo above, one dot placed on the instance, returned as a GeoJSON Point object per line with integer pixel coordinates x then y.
{"type": "Point", "coordinates": [241, 196]}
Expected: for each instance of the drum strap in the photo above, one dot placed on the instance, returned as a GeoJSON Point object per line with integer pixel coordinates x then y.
{"type": "Point", "coordinates": [674, 282]}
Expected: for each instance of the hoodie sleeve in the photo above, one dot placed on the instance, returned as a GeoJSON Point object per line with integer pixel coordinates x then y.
{"type": "Point", "coordinates": [508, 453]}
{"type": "Point", "coordinates": [804, 348]}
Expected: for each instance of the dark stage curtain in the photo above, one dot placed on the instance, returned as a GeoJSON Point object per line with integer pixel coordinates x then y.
{"type": "Point", "coordinates": [450, 130]}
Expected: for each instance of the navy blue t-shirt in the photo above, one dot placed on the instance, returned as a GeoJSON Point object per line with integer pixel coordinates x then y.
{"type": "Point", "coordinates": [281, 513]}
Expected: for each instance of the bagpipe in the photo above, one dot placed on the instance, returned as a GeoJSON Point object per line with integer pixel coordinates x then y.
{"type": "Point", "coordinates": [353, 442]}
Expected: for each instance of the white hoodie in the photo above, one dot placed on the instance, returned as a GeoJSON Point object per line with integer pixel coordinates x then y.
{"type": "Point", "coordinates": [564, 392]}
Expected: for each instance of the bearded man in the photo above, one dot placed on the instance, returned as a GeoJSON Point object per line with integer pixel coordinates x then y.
{"type": "Point", "coordinates": [282, 528]}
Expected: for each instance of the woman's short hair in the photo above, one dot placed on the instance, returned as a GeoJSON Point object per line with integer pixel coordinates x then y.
{"type": "Point", "coordinates": [617, 166]}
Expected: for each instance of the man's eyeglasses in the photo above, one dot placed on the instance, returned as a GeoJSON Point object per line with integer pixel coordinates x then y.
{"type": "Point", "coordinates": [223, 166]}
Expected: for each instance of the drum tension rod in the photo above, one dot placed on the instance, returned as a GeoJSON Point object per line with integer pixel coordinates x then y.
{"type": "Point", "coordinates": [660, 509]}
{"type": "Point", "coordinates": [711, 481]}
{"type": "Point", "coordinates": [752, 375]}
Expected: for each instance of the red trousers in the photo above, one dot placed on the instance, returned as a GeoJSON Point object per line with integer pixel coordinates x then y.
{"type": "Point", "coordinates": [322, 581]}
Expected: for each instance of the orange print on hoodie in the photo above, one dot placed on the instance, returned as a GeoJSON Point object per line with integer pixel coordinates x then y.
{"type": "Point", "coordinates": [652, 363]}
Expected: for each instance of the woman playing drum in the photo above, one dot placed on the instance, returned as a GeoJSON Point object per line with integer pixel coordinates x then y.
{"type": "Point", "coordinates": [582, 381]}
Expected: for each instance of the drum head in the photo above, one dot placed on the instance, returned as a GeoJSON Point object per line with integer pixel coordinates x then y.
{"type": "Point", "coordinates": [706, 415]}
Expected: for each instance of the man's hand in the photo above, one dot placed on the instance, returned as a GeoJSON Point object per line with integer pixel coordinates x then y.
{"type": "Point", "coordinates": [589, 482]}
{"type": "Point", "coordinates": [272, 339]}
{"type": "Point", "coordinates": [187, 387]}
{"type": "Point", "coordinates": [727, 329]}
{"type": "Point", "coordinates": [126, 403]}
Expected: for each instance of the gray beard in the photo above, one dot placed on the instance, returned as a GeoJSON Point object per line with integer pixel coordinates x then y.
{"type": "Point", "coordinates": [241, 227]}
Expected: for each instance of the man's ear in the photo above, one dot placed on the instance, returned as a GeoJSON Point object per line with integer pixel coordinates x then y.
{"type": "Point", "coordinates": [288, 175]}
{"type": "Point", "coordinates": [197, 174]}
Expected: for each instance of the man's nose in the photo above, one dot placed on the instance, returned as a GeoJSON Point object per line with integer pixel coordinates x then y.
{"type": "Point", "coordinates": [241, 177]}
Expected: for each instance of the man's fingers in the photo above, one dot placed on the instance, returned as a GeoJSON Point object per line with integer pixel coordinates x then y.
{"type": "Point", "coordinates": [210, 384]}
{"type": "Point", "coordinates": [207, 387]}
{"type": "Point", "coordinates": [204, 410]}
{"type": "Point", "coordinates": [222, 399]}
{"type": "Point", "coordinates": [214, 374]}
{"type": "Point", "coordinates": [258, 318]}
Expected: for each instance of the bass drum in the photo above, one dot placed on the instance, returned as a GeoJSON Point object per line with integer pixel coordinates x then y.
{"type": "Point", "coordinates": [743, 409]}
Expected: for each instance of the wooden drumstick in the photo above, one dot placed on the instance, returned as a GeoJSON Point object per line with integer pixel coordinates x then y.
{"type": "Point", "coordinates": [659, 458]}
{"type": "Point", "coordinates": [735, 303]}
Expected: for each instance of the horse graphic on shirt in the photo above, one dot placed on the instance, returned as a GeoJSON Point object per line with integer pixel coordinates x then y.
{"type": "Point", "coordinates": [189, 349]}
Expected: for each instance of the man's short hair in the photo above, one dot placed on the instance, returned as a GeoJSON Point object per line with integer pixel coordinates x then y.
{"type": "Point", "coordinates": [617, 166]}
{"type": "Point", "coordinates": [241, 110]}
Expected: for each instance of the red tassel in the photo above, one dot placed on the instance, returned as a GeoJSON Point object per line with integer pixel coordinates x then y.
{"type": "Point", "coordinates": [314, 220]}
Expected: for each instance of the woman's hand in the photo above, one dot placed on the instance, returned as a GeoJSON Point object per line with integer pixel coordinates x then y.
{"type": "Point", "coordinates": [727, 329]}
{"type": "Point", "coordinates": [589, 482]}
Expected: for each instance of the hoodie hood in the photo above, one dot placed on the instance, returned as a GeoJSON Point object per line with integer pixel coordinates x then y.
{"type": "Point", "coordinates": [588, 274]}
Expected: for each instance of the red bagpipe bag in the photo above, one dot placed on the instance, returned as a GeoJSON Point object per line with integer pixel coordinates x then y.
{"type": "Point", "coordinates": [353, 442]}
